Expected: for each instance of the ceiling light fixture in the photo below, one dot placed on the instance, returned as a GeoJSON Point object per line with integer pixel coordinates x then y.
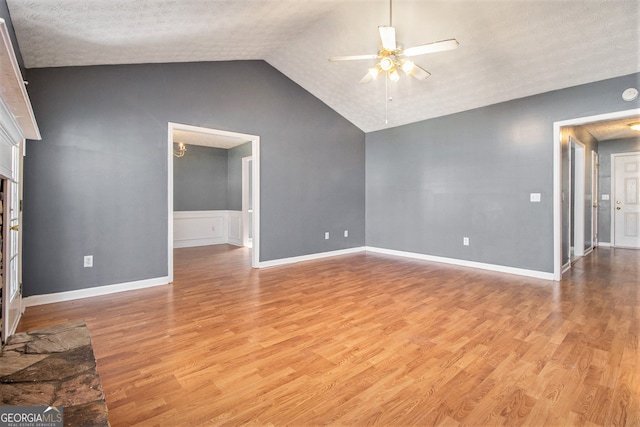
{"type": "Point", "coordinates": [635, 126]}
{"type": "Point", "coordinates": [181, 150]}
{"type": "Point", "coordinates": [386, 63]}
{"type": "Point", "coordinates": [392, 56]}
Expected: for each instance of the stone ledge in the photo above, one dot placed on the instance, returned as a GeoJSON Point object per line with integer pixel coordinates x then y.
{"type": "Point", "coordinates": [54, 367]}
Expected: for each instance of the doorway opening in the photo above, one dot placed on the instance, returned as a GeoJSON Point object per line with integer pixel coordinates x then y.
{"type": "Point", "coordinates": [559, 197]}
{"type": "Point", "coordinates": [196, 135]}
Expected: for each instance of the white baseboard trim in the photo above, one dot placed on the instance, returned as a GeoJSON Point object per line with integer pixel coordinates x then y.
{"type": "Point", "coordinates": [473, 264]}
{"type": "Point", "coordinates": [310, 257]}
{"type": "Point", "coordinates": [604, 244]}
{"type": "Point", "coordinates": [566, 267]}
{"type": "Point", "coordinates": [190, 243]}
{"type": "Point", "coordinates": [92, 292]}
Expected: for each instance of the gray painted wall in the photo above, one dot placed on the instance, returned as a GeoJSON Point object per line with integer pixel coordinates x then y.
{"type": "Point", "coordinates": [430, 184]}
{"type": "Point", "coordinates": [97, 182]}
{"type": "Point", "coordinates": [200, 179]}
{"type": "Point", "coordinates": [606, 149]}
{"type": "Point", "coordinates": [208, 178]}
{"type": "Point", "coordinates": [234, 175]}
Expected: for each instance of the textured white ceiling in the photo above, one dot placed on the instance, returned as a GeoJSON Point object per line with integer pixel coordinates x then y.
{"type": "Point", "coordinates": [613, 129]}
{"type": "Point", "coordinates": [508, 48]}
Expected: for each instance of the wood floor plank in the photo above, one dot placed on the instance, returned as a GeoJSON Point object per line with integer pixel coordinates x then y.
{"type": "Point", "coordinates": [367, 339]}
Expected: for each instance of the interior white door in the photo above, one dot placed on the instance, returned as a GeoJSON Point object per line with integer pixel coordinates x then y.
{"type": "Point", "coordinates": [247, 205]}
{"type": "Point", "coordinates": [578, 177]}
{"type": "Point", "coordinates": [594, 199]}
{"type": "Point", "coordinates": [626, 205]}
{"type": "Point", "coordinates": [12, 299]}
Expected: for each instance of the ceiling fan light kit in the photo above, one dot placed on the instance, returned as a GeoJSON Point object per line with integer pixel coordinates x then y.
{"type": "Point", "coordinates": [386, 64]}
{"type": "Point", "coordinates": [392, 56]}
{"type": "Point", "coordinates": [407, 66]}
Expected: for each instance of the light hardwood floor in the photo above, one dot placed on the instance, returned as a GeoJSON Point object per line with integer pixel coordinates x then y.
{"type": "Point", "coordinates": [367, 339]}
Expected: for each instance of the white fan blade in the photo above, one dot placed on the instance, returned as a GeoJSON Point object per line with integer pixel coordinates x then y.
{"type": "Point", "coordinates": [352, 57]}
{"type": "Point", "coordinates": [432, 47]}
{"type": "Point", "coordinates": [388, 38]}
{"type": "Point", "coordinates": [419, 73]}
{"type": "Point", "coordinates": [367, 78]}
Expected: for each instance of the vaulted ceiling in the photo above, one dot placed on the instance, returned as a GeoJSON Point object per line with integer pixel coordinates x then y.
{"type": "Point", "coordinates": [508, 48]}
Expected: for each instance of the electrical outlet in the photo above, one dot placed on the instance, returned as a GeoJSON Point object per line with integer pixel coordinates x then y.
{"type": "Point", "coordinates": [346, 233]}
{"type": "Point", "coordinates": [88, 260]}
{"type": "Point", "coordinates": [465, 241]}
{"type": "Point", "coordinates": [326, 235]}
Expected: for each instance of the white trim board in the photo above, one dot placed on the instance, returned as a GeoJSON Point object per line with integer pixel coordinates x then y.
{"type": "Point", "coordinates": [310, 257]}
{"type": "Point", "coordinates": [92, 292]}
{"type": "Point", "coordinates": [35, 300]}
{"type": "Point", "coordinates": [14, 92]}
{"type": "Point", "coordinates": [463, 263]}
{"type": "Point", "coordinates": [432, 258]}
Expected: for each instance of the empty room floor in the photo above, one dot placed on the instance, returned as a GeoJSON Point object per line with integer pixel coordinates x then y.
{"type": "Point", "coordinates": [367, 339]}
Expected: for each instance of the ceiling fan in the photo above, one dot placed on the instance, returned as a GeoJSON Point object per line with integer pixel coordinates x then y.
{"type": "Point", "coordinates": [393, 57]}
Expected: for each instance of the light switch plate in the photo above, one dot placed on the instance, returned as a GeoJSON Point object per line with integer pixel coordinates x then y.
{"type": "Point", "coordinates": [605, 197]}
{"type": "Point", "coordinates": [534, 197]}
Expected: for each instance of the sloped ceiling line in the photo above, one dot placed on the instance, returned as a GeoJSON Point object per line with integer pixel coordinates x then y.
{"type": "Point", "coordinates": [508, 49]}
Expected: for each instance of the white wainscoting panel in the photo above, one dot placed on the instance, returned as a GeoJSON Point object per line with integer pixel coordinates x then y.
{"type": "Point", "coordinates": [235, 228]}
{"type": "Point", "coordinates": [201, 228]}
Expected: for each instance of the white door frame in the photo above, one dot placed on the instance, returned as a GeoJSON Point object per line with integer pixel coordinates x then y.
{"type": "Point", "coordinates": [577, 197]}
{"type": "Point", "coordinates": [614, 156]}
{"type": "Point", "coordinates": [557, 177]}
{"type": "Point", "coordinates": [246, 185]}
{"type": "Point", "coordinates": [595, 183]}
{"type": "Point", "coordinates": [11, 152]}
{"type": "Point", "coordinates": [255, 169]}
{"type": "Point", "coordinates": [12, 292]}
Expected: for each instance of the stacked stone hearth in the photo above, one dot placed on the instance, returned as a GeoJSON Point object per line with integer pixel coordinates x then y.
{"type": "Point", "coordinates": [54, 367]}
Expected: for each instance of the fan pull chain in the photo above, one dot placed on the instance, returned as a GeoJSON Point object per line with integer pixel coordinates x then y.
{"type": "Point", "coordinates": [386, 101]}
